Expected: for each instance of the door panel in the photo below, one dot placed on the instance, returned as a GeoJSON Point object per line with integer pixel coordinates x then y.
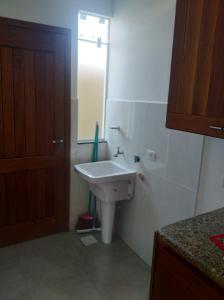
{"type": "Point", "coordinates": [7, 103]}
{"type": "Point", "coordinates": [26, 196]}
{"type": "Point", "coordinates": [184, 64]}
{"type": "Point", "coordinates": [33, 109]}
{"type": "Point", "coordinates": [44, 71]}
{"type": "Point", "coordinates": [29, 106]}
{"type": "Point", "coordinates": [196, 97]}
{"type": "Point", "coordinates": [205, 58]}
{"type": "Point", "coordinates": [30, 100]}
{"type": "Point", "coordinates": [215, 105]}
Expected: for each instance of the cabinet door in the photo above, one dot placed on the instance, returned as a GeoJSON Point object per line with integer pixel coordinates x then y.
{"type": "Point", "coordinates": [175, 279]}
{"type": "Point", "coordinates": [196, 97]}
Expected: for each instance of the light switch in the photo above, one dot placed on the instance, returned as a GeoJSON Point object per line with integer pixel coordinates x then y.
{"type": "Point", "coordinates": [222, 181]}
{"type": "Point", "coordinates": [151, 155]}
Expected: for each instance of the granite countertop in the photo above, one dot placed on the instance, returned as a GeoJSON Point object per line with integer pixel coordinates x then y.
{"type": "Point", "coordinates": [191, 240]}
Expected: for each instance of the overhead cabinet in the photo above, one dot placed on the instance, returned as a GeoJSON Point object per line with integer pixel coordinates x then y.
{"type": "Point", "coordinates": [196, 96]}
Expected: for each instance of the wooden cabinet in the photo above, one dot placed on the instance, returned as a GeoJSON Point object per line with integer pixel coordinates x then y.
{"type": "Point", "coordinates": [173, 278]}
{"type": "Point", "coordinates": [196, 96]}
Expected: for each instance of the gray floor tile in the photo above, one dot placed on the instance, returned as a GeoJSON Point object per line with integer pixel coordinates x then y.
{"type": "Point", "coordinates": [127, 279]}
{"type": "Point", "coordinates": [59, 267]}
{"type": "Point", "coordinates": [8, 257]}
{"type": "Point", "coordinates": [12, 284]}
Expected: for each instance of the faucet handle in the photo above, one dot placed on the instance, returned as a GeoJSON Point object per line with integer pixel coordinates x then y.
{"type": "Point", "coordinates": [112, 127]}
{"type": "Point", "coordinates": [118, 152]}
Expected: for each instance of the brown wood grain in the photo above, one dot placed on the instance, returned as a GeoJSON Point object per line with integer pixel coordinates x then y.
{"type": "Point", "coordinates": [188, 64]}
{"type": "Point", "coordinates": [35, 110]}
{"type": "Point", "coordinates": [44, 105]}
{"type": "Point", "coordinates": [205, 57]}
{"type": "Point", "coordinates": [174, 278]}
{"type": "Point", "coordinates": [196, 96]}
{"type": "Point", "coordinates": [21, 197]}
{"type": "Point", "coordinates": [3, 211]}
{"type": "Point", "coordinates": [1, 111]}
{"type": "Point", "coordinates": [8, 102]}
{"type": "Point", "coordinates": [19, 102]}
{"type": "Point", "coordinates": [178, 51]}
{"type": "Point", "coordinates": [30, 100]}
{"type": "Point", "coordinates": [215, 106]}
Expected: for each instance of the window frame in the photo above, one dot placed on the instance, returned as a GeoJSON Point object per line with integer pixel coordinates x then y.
{"type": "Point", "coordinates": [102, 140]}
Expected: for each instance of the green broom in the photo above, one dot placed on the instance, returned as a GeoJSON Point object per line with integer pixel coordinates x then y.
{"type": "Point", "coordinates": [88, 221]}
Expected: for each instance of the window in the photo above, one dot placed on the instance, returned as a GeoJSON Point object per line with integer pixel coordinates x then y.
{"type": "Point", "coordinates": [93, 36]}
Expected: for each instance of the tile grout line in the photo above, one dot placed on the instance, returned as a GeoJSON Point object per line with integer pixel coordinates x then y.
{"type": "Point", "coordinates": [140, 101]}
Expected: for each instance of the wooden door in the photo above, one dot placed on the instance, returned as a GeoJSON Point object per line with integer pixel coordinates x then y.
{"type": "Point", "coordinates": [34, 130]}
{"type": "Point", "coordinates": [196, 97]}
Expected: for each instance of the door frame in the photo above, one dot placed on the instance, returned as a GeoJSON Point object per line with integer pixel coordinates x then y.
{"type": "Point", "coordinates": [67, 103]}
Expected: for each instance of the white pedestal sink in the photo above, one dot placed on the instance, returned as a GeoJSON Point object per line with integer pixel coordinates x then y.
{"type": "Point", "coordinates": [109, 182]}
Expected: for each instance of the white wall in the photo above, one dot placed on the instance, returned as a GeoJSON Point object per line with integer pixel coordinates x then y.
{"type": "Point", "coordinates": [63, 13]}
{"type": "Point", "coordinates": [53, 12]}
{"type": "Point", "coordinates": [141, 47]}
{"type": "Point", "coordinates": [211, 189]}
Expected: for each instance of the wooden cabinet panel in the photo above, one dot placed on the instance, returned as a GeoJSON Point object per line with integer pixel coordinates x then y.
{"type": "Point", "coordinates": [187, 33]}
{"type": "Point", "coordinates": [175, 279]}
{"type": "Point", "coordinates": [196, 96]}
{"type": "Point", "coordinates": [216, 97]}
{"type": "Point", "coordinates": [204, 57]}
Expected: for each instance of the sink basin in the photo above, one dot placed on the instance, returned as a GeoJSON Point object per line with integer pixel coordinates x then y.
{"type": "Point", "coordinates": [109, 182]}
{"type": "Point", "coordinates": [103, 172]}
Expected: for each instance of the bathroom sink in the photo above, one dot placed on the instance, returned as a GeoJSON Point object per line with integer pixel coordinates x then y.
{"type": "Point", "coordinates": [109, 182]}
{"type": "Point", "coordinates": [103, 172]}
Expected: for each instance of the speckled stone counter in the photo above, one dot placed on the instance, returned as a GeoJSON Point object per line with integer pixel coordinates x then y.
{"type": "Point", "coordinates": [191, 240]}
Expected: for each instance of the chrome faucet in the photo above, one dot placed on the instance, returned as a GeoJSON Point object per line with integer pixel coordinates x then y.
{"type": "Point", "coordinates": [118, 152]}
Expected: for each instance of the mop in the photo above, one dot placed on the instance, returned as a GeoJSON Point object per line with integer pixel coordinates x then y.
{"type": "Point", "coordinates": [88, 222]}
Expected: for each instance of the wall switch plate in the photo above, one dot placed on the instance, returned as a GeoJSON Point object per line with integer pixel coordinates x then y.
{"type": "Point", "coordinates": [151, 155]}
{"type": "Point", "coordinates": [222, 181]}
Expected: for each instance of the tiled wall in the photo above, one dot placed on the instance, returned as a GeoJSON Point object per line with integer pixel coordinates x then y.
{"type": "Point", "coordinates": [211, 188]}
{"type": "Point", "coordinates": [169, 191]}
{"type": "Point", "coordinates": [140, 58]}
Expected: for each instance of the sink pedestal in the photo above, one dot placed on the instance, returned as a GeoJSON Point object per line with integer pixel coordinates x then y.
{"type": "Point", "coordinates": [108, 194]}
{"type": "Point", "coordinates": [110, 183]}
{"type": "Point", "coordinates": [107, 213]}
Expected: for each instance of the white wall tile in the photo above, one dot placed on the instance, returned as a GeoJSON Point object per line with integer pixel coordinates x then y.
{"type": "Point", "coordinates": [169, 191]}
{"type": "Point", "coordinates": [184, 158]}
{"type": "Point", "coordinates": [157, 203]}
{"type": "Point", "coordinates": [155, 138]}
{"type": "Point", "coordinates": [211, 189]}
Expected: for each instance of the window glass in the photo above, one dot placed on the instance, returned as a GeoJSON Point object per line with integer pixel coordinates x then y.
{"type": "Point", "coordinates": [92, 70]}
{"type": "Point", "coordinates": [91, 28]}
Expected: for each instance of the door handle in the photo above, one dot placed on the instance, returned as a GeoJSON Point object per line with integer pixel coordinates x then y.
{"type": "Point", "coordinates": [217, 128]}
{"type": "Point", "coordinates": [58, 141]}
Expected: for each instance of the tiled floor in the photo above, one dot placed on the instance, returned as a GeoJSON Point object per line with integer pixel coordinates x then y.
{"type": "Point", "coordinates": [59, 267]}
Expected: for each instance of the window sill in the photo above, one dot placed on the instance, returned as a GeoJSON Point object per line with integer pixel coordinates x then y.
{"type": "Point", "coordinates": [86, 142]}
